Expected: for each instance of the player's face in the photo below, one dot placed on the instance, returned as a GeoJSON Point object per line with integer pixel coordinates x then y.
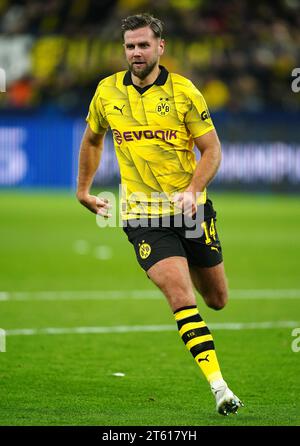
{"type": "Point", "coordinates": [143, 50]}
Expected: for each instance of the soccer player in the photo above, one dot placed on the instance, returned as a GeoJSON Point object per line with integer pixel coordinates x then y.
{"type": "Point", "coordinates": [156, 118]}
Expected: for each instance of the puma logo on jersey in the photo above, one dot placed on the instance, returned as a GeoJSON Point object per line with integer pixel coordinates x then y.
{"type": "Point", "coordinates": [204, 359]}
{"type": "Point", "coordinates": [120, 109]}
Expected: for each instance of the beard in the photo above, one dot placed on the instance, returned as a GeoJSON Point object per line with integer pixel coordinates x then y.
{"type": "Point", "coordinates": [142, 73]}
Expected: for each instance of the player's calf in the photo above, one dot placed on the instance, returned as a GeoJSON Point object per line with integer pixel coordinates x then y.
{"type": "Point", "coordinates": [216, 299]}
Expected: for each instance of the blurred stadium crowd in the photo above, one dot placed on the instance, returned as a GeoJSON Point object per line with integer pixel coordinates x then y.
{"type": "Point", "coordinates": [239, 53]}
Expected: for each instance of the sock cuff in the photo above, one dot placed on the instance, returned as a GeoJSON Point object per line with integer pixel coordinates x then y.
{"type": "Point", "coordinates": [189, 314]}
{"type": "Point", "coordinates": [189, 307]}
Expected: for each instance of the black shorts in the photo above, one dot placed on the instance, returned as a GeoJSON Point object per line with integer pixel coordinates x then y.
{"type": "Point", "coordinates": [159, 241]}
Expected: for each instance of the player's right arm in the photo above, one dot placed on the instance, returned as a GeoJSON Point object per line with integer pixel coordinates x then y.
{"type": "Point", "coordinates": [89, 158]}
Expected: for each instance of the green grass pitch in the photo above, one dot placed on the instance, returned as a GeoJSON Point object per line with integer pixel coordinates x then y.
{"type": "Point", "coordinates": [68, 378]}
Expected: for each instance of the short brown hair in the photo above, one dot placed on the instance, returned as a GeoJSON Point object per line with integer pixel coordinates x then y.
{"type": "Point", "coordinates": [140, 21]}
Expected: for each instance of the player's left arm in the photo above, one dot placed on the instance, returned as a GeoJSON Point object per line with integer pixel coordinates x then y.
{"type": "Point", "coordinates": [207, 167]}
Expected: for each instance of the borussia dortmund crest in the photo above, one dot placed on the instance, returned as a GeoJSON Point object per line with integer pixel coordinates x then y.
{"type": "Point", "coordinates": [163, 107]}
{"type": "Point", "coordinates": [144, 250]}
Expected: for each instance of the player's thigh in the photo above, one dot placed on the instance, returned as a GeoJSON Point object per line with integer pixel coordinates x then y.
{"type": "Point", "coordinates": [211, 283]}
{"type": "Point", "coordinates": [172, 276]}
{"type": "Point", "coordinates": [160, 253]}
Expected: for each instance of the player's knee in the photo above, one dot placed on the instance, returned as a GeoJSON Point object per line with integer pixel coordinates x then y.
{"type": "Point", "coordinates": [216, 305]}
{"type": "Point", "coordinates": [165, 282]}
{"type": "Point", "coordinates": [217, 300]}
{"type": "Point", "coordinates": [177, 293]}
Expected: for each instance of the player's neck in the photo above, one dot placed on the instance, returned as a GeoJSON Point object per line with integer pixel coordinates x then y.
{"type": "Point", "coordinates": [149, 80]}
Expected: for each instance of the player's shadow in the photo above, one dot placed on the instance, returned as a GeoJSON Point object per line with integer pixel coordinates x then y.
{"type": "Point", "coordinates": [240, 419]}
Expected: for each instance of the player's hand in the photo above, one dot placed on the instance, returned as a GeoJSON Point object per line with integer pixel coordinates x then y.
{"type": "Point", "coordinates": [99, 206]}
{"type": "Point", "coordinates": [186, 201]}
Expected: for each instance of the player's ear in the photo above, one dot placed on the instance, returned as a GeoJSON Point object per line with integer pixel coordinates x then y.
{"type": "Point", "coordinates": [161, 47]}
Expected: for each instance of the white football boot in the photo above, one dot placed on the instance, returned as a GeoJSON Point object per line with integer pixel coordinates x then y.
{"type": "Point", "coordinates": [226, 401]}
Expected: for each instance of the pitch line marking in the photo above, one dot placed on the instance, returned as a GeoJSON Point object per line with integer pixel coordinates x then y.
{"type": "Point", "coordinates": [138, 294]}
{"type": "Point", "coordinates": [147, 328]}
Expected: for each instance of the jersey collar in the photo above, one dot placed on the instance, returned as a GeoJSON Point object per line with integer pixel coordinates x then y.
{"type": "Point", "coordinates": [160, 80]}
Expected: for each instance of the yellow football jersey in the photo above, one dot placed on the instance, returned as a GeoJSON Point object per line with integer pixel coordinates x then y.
{"type": "Point", "coordinates": [153, 130]}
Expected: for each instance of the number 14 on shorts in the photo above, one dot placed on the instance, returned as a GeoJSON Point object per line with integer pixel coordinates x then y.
{"type": "Point", "coordinates": [209, 231]}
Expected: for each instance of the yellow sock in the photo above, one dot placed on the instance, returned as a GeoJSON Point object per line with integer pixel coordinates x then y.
{"type": "Point", "coordinates": [199, 341]}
